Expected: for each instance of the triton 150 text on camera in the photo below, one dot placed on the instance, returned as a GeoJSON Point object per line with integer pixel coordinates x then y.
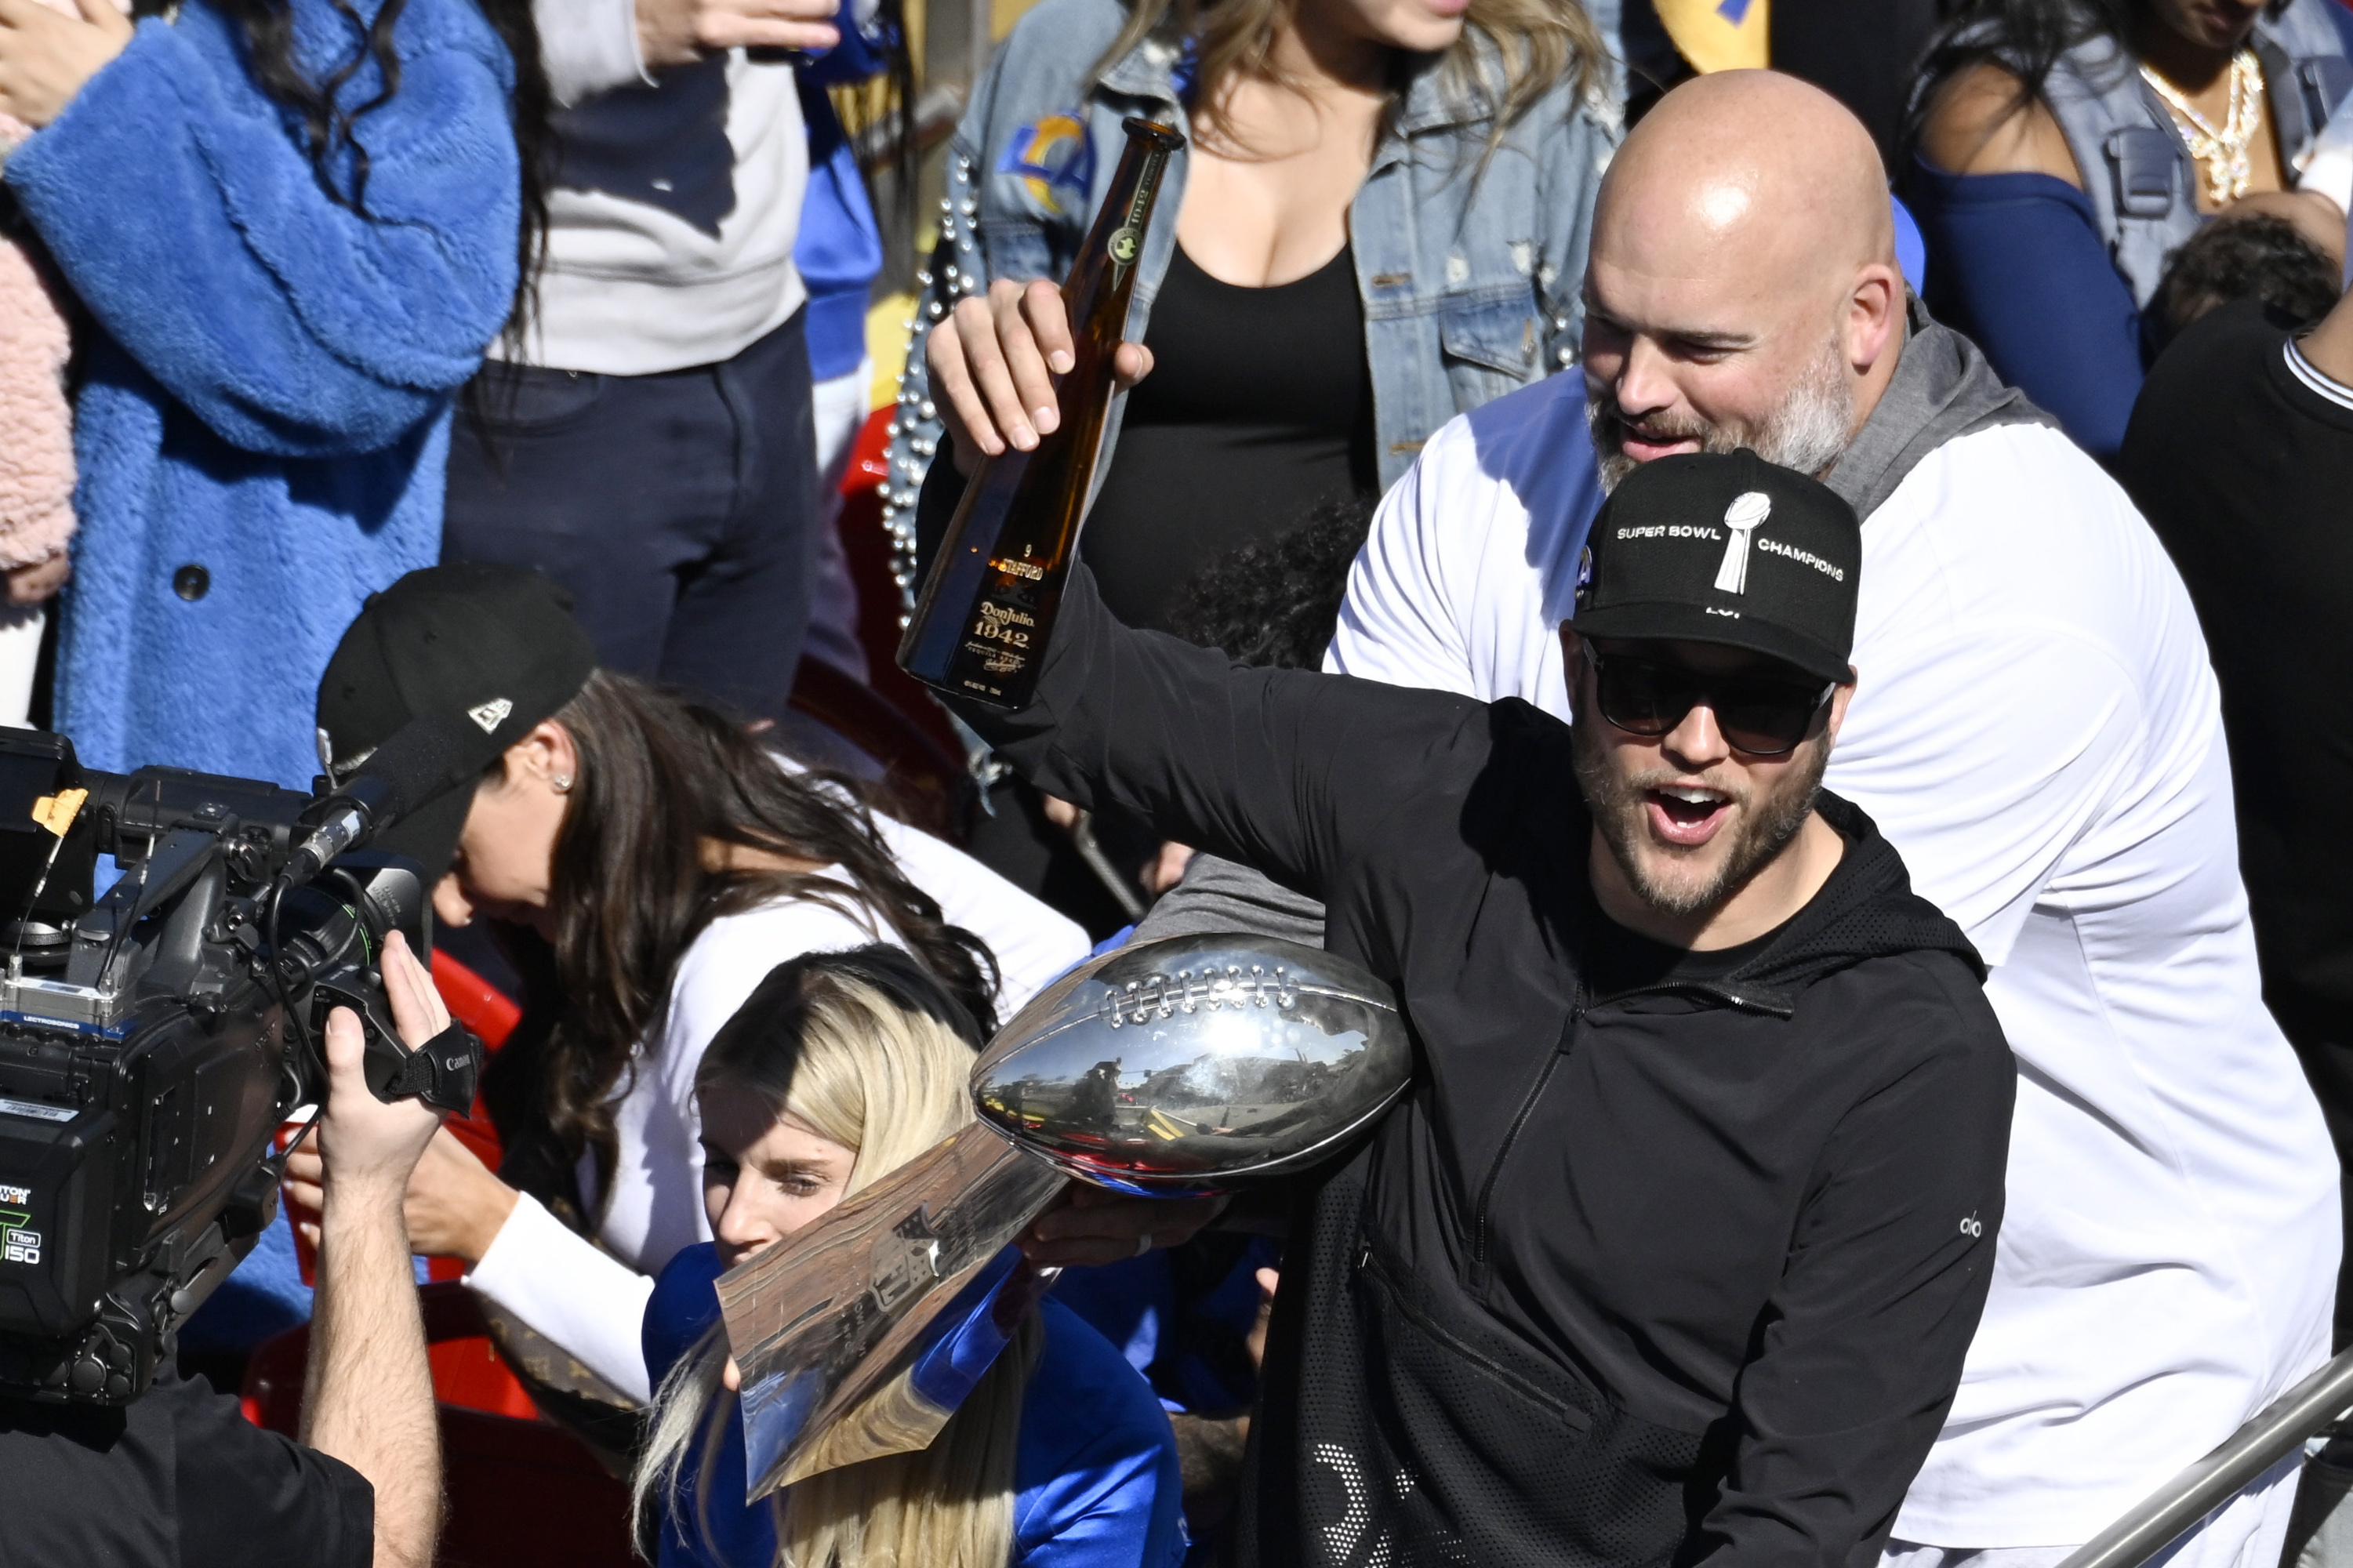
{"type": "Point", "coordinates": [152, 1038]}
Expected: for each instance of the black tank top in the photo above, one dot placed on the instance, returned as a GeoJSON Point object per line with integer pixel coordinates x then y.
{"type": "Point", "coordinates": [1259, 408]}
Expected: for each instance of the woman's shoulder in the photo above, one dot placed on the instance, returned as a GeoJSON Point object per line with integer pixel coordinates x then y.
{"type": "Point", "coordinates": [322, 36]}
{"type": "Point", "coordinates": [1980, 122]}
{"type": "Point", "coordinates": [1046, 65]}
{"type": "Point", "coordinates": [728, 959]}
{"type": "Point", "coordinates": [737, 949]}
{"type": "Point", "coordinates": [422, 27]}
{"type": "Point", "coordinates": [684, 1305]}
{"type": "Point", "coordinates": [1574, 101]}
{"type": "Point", "coordinates": [1097, 1463]}
{"type": "Point", "coordinates": [1085, 1402]}
{"type": "Point", "coordinates": [1077, 31]}
{"type": "Point", "coordinates": [791, 917]}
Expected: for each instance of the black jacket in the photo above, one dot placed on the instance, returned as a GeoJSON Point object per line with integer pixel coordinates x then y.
{"type": "Point", "coordinates": [1680, 1274]}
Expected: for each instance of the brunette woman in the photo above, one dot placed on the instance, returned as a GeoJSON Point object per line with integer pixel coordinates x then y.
{"type": "Point", "coordinates": [2067, 148]}
{"type": "Point", "coordinates": [666, 862]}
{"type": "Point", "coordinates": [291, 228]}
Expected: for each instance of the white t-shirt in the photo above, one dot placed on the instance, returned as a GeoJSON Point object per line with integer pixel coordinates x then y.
{"type": "Point", "coordinates": [2037, 731]}
{"type": "Point", "coordinates": [592, 1302]}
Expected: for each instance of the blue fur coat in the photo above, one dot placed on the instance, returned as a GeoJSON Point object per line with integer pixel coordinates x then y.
{"type": "Point", "coordinates": [268, 384]}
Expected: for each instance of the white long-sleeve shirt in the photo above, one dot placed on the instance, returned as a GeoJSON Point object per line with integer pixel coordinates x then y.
{"type": "Point", "coordinates": [591, 1300]}
{"type": "Point", "coordinates": [2037, 731]}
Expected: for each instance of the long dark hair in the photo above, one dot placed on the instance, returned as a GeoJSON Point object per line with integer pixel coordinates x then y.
{"type": "Point", "coordinates": [661, 777]}
{"type": "Point", "coordinates": [2025, 38]}
{"type": "Point", "coordinates": [327, 120]}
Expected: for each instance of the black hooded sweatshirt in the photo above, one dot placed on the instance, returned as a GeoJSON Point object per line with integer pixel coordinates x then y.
{"type": "Point", "coordinates": [1676, 1273]}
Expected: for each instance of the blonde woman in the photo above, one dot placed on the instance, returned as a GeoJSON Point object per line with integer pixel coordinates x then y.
{"type": "Point", "coordinates": [1380, 223]}
{"type": "Point", "coordinates": [841, 1067]}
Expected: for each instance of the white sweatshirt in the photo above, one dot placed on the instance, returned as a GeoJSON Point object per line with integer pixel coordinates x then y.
{"type": "Point", "coordinates": [676, 203]}
{"type": "Point", "coordinates": [591, 1300]}
{"type": "Point", "coordinates": [2036, 730]}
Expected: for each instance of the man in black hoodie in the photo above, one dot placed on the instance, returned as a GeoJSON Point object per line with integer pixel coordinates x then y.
{"type": "Point", "coordinates": [1672, 1252]}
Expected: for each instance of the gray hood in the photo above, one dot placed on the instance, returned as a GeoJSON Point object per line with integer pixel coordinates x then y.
{"type": "Point", "coordinates": [1943, 390]}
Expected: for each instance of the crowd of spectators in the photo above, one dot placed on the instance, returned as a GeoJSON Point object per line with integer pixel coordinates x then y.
{"type": "Point", "coordinates": [503, 361]}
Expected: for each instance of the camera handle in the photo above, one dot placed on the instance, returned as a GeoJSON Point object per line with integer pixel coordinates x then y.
{"type": "Point", "coordinates": [441, 1072]}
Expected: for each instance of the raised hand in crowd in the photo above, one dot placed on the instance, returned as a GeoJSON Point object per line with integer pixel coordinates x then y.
{"type": "Point", "coordinates": [47, 55]}
{"type": "Point", "coordinates": [679, 32]}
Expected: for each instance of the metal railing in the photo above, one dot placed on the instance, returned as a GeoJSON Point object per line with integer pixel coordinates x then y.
{"type": "Point", "coordinates": [2197, 1491]}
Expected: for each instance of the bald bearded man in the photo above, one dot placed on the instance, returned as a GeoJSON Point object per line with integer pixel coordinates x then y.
{"type": "Point", "coordinates": [2036, 730]}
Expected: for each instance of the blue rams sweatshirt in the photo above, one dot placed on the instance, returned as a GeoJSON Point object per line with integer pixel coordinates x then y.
{"type": "Point", "coordinates": [265, 412]}
{"type": "Point", "coordinates": [1095, 1475]}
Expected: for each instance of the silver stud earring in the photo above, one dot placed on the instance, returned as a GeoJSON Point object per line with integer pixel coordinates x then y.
{"type": "Point", "coordinates": [562, 783]}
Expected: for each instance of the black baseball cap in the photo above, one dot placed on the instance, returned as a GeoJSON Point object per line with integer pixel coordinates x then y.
{"type": "Point", "coordinates": [495, 647]}
{"type": "Point", "coordinates": [1724, 547]}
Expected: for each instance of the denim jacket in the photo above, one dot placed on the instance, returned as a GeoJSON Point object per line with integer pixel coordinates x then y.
{"type": "Point", "coordinates": [1469, 261]}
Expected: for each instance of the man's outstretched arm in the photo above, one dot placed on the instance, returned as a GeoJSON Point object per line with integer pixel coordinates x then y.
{"type": "Point", "coordinates": [368, 1395]}
{"type": "Point", "coordinates": [1290, 772]}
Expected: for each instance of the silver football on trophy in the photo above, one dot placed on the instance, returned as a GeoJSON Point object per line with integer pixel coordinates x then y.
{"type": "Point", "coordinates": [1196, 1063]}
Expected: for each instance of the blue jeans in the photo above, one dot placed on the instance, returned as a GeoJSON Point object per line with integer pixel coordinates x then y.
{"type": "Point", "coordinates": [680, 510]}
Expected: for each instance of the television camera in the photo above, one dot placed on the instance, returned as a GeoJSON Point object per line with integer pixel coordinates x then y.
{"type": "Point", "coordinates": [154, 1040]}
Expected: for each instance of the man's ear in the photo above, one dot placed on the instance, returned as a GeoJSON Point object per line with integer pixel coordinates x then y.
{"type": "Point", "coordinates": [1572, 661]}
{"type": "Point", "coordinates": [1839, 701]}
{"type": "Point", "coordinates": [1875, 316]}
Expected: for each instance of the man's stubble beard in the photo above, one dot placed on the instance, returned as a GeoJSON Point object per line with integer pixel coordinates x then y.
{"type": "Point", "coordinates": [1808, 432]}
{"type": "Point", "coordinates": [1762, 826]}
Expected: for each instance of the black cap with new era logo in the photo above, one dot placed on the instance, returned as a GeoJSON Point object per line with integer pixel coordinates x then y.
{"type": "Point", "coordinates": [492, 647]}
{"type": "Point", "coordinates": [1725, 547]}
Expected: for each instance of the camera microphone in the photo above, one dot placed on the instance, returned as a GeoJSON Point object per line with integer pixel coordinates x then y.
{"type": "Point", "coordinates": [424, 757]}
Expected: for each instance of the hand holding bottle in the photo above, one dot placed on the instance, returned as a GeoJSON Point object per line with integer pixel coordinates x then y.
{"type": "Point", "coordinates": [1026, 400]}
{"type": "Point", "coordinates": [993, 363]}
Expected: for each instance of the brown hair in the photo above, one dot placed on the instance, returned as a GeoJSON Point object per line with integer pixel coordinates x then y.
{"type": "Point", "coordinates": [1510, 53]}
{"type": "Point", "coordinates": [660, 777]}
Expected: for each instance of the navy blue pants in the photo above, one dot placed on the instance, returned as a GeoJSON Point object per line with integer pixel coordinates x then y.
{"type": "Point", "coordinates": [679, 508]}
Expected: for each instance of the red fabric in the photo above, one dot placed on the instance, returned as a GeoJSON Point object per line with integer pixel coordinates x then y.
{"type": "Point", "coordinates": [522, 1493]}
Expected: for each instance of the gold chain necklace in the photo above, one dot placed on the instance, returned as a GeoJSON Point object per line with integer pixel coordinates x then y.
{"type": "Point", "coordinates": [2223, 151]}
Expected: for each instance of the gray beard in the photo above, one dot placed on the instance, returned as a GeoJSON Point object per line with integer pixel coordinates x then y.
{"type": "Point", "coordinates": [1807, 433]}
{"type": "Point", "coordinates": [1763, 829]}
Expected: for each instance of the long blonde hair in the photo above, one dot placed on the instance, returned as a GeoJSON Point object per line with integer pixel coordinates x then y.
{"type": "Point", "coordinates": [867, 1051]}
{"type": "Point", "coordinates": [1510, 53]}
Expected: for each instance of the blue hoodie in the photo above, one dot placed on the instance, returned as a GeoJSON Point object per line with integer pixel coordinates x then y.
{"type": "Point", "coordinates": [839, 248]}
{"type": "Point", "coordinates": [1095, 1475]}
{"type": "Point", "coordinates": [268, 373]}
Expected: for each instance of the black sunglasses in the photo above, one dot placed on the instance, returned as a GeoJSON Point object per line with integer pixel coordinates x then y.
{"type": "Point", "coordinates": [1763, 715]}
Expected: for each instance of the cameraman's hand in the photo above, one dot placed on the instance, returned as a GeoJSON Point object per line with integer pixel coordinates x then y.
{"type": "Point", "coordinates": [453, 1206]}
{"type": "Point", "coordinates": [1091, 1225]}
{"type": "Point", "coordinates": [366, 1147]}
{"type": "Point", "coordinates": [993, 363]}
{"type": "Point", "coordinates": [679, 32]}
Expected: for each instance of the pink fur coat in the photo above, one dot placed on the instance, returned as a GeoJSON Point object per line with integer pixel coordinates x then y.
{"type": "Point", "coordinates": [37, 459]}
